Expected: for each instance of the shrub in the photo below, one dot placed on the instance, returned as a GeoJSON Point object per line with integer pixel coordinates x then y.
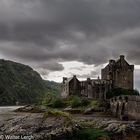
{"type": "Point", "coordinates": [94, 103]}
{"type": "Point", "coordinates": [74, 101]}
{"type": "Point", "coordinates": [57, 103]}
{"type": "Point", "coordinates": [56, 113]}
{"type": "Point", "coordinates": [120, 91]}
{"type": "Point", "coordinates": [91, 134]}
{"type": "Point", "coordinates": [53, 101]}
{"type": "Point", "coordinates": [85, 102]}
{"type": "Point", "coordinates": [48, 99]}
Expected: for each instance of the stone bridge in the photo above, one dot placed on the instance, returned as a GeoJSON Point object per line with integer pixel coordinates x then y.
{"type": "Point", "coordinates": [126, 107]}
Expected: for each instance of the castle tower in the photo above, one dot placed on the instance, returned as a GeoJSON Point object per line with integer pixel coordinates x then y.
{"type": "Point", "coordinates": [124, 74]}
{"type": "Point", "coordinates": [120, 73]}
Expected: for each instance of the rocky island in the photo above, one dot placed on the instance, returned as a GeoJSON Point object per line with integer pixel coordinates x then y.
{"type": "Point", "coordinates": [57, 124]}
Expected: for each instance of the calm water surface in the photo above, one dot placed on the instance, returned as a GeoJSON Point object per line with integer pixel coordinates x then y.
{"type": "Point", "coordinates": [7, 112]}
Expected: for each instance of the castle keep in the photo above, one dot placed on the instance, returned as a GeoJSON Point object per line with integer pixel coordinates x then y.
{"type": "Point", "coordinates": [117, 74]}
{"type": "Point", "coordinates": [120, 73]}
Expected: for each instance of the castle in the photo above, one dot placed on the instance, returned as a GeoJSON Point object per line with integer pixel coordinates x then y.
{"type": "Point", "coordinates": [117, 74]}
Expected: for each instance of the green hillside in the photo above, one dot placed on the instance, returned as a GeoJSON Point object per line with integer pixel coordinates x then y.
{"type": "Point", "coordinates": [21, 83]}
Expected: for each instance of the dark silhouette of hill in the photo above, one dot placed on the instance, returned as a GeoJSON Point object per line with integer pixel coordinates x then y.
{"type": "Point", "coordinates": [21, 83]}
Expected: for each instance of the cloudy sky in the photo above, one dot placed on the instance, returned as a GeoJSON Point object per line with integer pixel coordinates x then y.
{"type": "Point", "coordinates": [65, 37]}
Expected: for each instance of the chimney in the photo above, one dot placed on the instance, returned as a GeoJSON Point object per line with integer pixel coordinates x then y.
{"type": "Point", "coordinates": [88, 79]}
{"type": "Point", "coordinates": [64, 79]}
{"type": "Point", "coordinates": [122, 56]}
{"type": "Point", "coordinates": [74, 76]}
{"type": "Point", "coordinates": [111, 61]}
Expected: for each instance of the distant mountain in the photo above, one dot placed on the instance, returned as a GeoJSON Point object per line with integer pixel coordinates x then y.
{"type": "Point", "coordinates": [52, 87]}
{"type": "Point", "coordinates": [21, 83]}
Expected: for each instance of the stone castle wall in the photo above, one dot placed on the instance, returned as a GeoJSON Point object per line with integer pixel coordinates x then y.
{"type": "Point", "coordinates": [126, 107]}
{"type": "Point", "coordinates": [120, 72]}
{"type": "Point", "coordinates": [117, 74]}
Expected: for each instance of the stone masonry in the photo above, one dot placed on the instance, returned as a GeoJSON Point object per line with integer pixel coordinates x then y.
{"type": "Point", "coordinates": [126, 107]}
{"type": "Point", "coordinates": [117, 74]}
{"type": "Point", "coordinates": [120, 73]}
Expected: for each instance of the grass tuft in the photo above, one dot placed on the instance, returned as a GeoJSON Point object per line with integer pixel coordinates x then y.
{"type": "Point", "coordinates": [56, 113]}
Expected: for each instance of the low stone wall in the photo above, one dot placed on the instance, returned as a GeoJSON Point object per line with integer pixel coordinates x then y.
{"type": "Point", "coordinates": [126, 107]}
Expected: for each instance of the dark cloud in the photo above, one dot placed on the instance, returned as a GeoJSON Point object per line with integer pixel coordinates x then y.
{"type": "Point", "coordinates": [92, 74]}
{"type": "Point", "coordinates": [52, 66]}
{"type": "Point", "coordinates": [44, 32]}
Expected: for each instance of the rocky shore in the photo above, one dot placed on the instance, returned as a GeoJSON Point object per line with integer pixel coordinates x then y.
{"type": "Point", "coordinates": [38, 126]}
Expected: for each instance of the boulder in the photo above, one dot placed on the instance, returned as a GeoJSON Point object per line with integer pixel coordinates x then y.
{"type": "Point", "coordinates": [30, 109]}
{"type": "Point", "coordinates": [88, 111]}
{"type": "Point", "coordinates": [73, 110]}
{"type": "Point", "coordinates": [68, 109]}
